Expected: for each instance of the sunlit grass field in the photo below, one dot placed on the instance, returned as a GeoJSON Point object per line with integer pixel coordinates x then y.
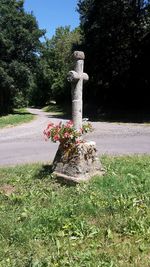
{"type": "Point", "coordinates": [102, 223]}
{"type": "Point", "coordinates": [17, 117]}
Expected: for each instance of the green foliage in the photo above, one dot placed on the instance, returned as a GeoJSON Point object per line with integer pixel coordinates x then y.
{"type": "Point", "coordinates": [19, 44]}
{"type": "Point", "coordinates": [113, 35]}
{"type": "Point", "coordinates": [55, 109]}
{"type": "Point", "coordinates": [102, 223]}
{"type": "Point", "coordinates": [55, 62]}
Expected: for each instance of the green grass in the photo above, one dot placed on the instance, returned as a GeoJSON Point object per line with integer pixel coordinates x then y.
{"type": "Point", "coordinates": [17, 117]}
{"type": "Point", "coordinates": [58, 110]}
{"type": "Point", "coordinates": [103, 223]}
{"type": "Point", "coordinates": [53, 108]}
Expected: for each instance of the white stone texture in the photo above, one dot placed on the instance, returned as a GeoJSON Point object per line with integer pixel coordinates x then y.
{"type": "Point", "coordinates": [77, 162]}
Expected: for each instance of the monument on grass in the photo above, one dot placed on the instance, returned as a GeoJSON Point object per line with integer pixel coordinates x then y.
{"type": "Point", "coordinates": [78, 162]}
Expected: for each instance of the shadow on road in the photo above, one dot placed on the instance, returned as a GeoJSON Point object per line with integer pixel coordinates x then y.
{"type": "Point", "coordinates": [94, 114]}
{"type": "Point", "coordinates": [119, 116]}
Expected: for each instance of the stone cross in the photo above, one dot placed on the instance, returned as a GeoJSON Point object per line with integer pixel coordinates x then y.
{"type": "Point", "coordinates": [76, 78]}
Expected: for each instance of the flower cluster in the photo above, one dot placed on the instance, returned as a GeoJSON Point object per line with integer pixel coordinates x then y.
{"type": "Point", "coordinates": [65, 133]}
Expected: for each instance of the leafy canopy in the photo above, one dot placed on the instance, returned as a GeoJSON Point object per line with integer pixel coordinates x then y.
{"type": "Point", "coordinates": [19, 46]}
{"type": "Point", "coordinates": [113, 35]}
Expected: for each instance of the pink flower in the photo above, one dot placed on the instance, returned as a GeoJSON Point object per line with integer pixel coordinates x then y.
{"type": "Point", "coordinates": [69, 124]}
{"type": "Point", "coordinates": [66, 135]}
{"type": "Point", "coordinates": [50, 125]}
{"type": "Point", "coordinates": [48, 134]}
{"type": "Point", "coordinates": [56, 137]}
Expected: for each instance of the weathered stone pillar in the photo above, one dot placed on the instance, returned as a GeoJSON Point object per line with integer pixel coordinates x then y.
{"type": "Point", "coordinates": [76, 77]}
{"type": "Point", "coordinates": [77, 162]}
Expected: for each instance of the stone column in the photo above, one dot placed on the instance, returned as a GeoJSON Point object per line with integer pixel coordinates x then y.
{"type": "Point", "coordinates": [77, 162]}
{"type": "Point", "coordinates": [76, 78]}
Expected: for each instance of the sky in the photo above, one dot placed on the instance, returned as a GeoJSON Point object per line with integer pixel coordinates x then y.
{"type": "Point", "coordinates": [52, 14]}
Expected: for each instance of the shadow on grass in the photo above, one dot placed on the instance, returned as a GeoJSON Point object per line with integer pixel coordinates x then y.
{"type": "Point", "coordinates": [46, 171]}
{"type": "Point", "coordinates": [63, 182]}
{"type": "Point", "coordinates": [21, 113]}
{"type": "Point", "coordinates": [57, 111]}
{"type": "Point", "coordinates": [64, 116]}
{"type": "Point", "coordinates": [17, 112]}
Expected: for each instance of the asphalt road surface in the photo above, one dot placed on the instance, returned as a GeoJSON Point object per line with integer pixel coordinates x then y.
{"type": "Point", "coordinates": [26, 144]}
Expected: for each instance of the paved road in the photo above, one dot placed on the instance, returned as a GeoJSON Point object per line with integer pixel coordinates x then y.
{"type": "Point", "coordinates": [25, 143]}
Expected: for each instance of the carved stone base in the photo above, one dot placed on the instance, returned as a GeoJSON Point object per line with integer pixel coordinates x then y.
{"type": "Point", "coordinates": [78, 162]}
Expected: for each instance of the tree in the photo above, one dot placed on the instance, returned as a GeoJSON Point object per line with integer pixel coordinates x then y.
{"type": "Point", "coordinates": [113, 31]}
{"type": "Point", "coordinates": [19, 46]}
{"type": "Point", "coordinates": [56, 61]}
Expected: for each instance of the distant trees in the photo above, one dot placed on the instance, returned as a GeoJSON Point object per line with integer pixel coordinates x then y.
{"type": "Point", "coordinates": [31, 71]}
{"type": "Point", "coordinates": [55, 62]}
{"type": "Point", "coordinates": [19, 46]}
{"type": "Point", "coordinates": [114, 34]}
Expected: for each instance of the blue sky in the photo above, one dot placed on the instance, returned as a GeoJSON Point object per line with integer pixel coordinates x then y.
{"type": "Point", "coordinates": [51, 14]}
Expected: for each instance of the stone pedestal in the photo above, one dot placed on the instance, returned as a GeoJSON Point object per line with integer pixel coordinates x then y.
{"type": "Point", "coordinates": [77, 162]}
